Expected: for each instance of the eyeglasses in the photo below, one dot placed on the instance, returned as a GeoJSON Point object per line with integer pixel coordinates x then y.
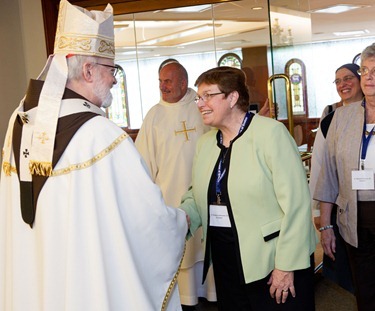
{"type": "Point", "coordinates": [345, 79]}
{"type": "Point", "coordinates": [206, 97]}
{"type": "Point", "coordinates": [363, 71]}
{"type": "Point", "coordinates": [114, 70]}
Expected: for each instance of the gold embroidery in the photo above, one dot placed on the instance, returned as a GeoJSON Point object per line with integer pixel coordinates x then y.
{"type": "Point", "coordinates": [7, 168]}
{"type": "Point", "coordinates": [106, 46]}
{"type": "Point", "coordinates": [185, 130]}
{"type": "Point", "coordinates": [80, 44]}
{"type": "Point", "coordinates": [40, 168]}
{"type": "Point", "coordinates": [43, 137]}
{"type": "Point", "coordinates": [92, 161]}
{"type": "Point", "coordinates": [173, 283]}
{"type": "Point", "coordinates": [45, 169]}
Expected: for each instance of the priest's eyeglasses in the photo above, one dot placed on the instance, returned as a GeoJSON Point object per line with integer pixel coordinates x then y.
{"type": "Point", "coordinates": [114, 70]}
{"type": "Point", "coordinates": [348, 78]}
{"type": "Point", "coordinates": [363, 71]}
{"type": "Point", "coordinates": [205, 97]}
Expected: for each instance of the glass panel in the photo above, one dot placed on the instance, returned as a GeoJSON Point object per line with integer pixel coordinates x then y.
{"type": "Point", "coordinates": [126, 57]}
{"type": "Point", "coordinates": [197, 37]}
{"type": "Point", "coordinates": [265, 40]}
{"type": "Point", "coordinates": [118, 112]}
{"type": "Point", "coordinates": [317, 40]}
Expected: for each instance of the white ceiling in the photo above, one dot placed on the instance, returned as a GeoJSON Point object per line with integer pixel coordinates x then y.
{"type": "Point", "coordinates": [238, 26]}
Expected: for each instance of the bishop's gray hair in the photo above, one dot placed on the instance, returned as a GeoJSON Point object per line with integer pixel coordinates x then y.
{"type": "Point", "coordinates": [75, 65]}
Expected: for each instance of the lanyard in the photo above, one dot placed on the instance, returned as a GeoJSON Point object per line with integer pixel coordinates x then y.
{"type": "Point", "coordinates": [365, 141]}
{"type": "Point", "coordinates": [221, 173]}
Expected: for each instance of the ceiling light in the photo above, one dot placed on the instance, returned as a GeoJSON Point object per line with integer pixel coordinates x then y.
{"type": "Point", "coordinates": [181, 34]}
{"type": "Point", "coordinates": [257, 8]}
{"type": "Point", "coordinates": [351, 33]}
{"type": "Point", "coordinates": [120, 24]}
{"type": "Point", "coordinates": [340, 8]}
{"type": "Point", "coordinates": [189, 9]}
{"type": "Point", "coordinates": [195, 42]}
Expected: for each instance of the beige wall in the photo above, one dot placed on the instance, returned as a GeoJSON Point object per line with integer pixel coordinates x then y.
{"type": "Point", "coordinates": [22, 55]}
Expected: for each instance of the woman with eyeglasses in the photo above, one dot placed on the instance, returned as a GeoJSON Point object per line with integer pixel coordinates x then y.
{"type": "Point", "coordinates": [347, 180]}
{"type": "Point", "coordinates": [348, 87]}
{"type": "Point", "coordinates": [250, 194]}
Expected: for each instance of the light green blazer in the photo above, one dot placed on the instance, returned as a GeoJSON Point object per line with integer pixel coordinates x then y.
{"type": "Point", "coordinates": [269, 196]}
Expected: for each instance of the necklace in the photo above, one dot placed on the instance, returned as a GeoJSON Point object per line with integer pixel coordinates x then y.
{"type": "Point", "coordinates": [368, 133]}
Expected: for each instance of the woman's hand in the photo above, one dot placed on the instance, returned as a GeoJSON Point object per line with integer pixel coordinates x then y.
{"type": "Point", "coordinates": [327, 236]}
{"type": "Point", "coordinates": [282, 283]}
{"type": "Point", "coordinates": [188, 221]}
{"type": "Point", "coordinates": [265, 111]}
{"type": "Point", "coordinates": [328, 241]}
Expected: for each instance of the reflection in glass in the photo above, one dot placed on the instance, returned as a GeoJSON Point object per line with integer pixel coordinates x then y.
{"type": "Point", "coordinates": [197, 37]}
{"type": "Point", "coordinates": [118, 111]}
{"type": "Point", "coordinates": [295, 69]}
{"type": "Point", "coordinates": [231, 60]}
{"type": "Point", "coordinates": [265, 40]}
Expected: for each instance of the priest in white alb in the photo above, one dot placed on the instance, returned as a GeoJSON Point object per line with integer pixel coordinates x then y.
{"type": "Point", "coordinates": [167, 141]}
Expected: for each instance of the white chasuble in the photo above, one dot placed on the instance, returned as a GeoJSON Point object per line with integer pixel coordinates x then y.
{"type": "Point", "coordinates": [103, 238]}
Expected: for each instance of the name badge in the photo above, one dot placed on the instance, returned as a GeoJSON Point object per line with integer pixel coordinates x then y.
{"type": "Point", "coordinates": [363, 180]}
{"type": "Point", "coordinates": [219, 216]}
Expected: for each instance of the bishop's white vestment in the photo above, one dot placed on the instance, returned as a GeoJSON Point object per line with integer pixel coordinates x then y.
{"type": "Point", "coordinates": [102, 239]}
{"type": "Point", "coordinates": [167, 142]}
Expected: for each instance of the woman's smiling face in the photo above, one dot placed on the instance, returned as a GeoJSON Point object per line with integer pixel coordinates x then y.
{"type": "Point", "coordinates": [213, 105]}
{"type": "Point", "coordinates": [348, 86]}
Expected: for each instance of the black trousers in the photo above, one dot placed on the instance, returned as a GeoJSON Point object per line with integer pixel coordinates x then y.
{"type": "Point", "coordinates": [231, 295]}
{"type": "Point", "coordinates": [362, 259]}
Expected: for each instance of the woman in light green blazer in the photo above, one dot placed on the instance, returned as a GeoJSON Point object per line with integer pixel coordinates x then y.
{"type": "Point", "coordinates": [250, 195]}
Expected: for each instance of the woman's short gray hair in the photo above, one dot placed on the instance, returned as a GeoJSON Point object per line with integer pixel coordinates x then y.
{"type": "Point", "coordinates": [368, 52]}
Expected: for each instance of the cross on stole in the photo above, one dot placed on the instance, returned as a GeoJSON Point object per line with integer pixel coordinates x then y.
{"type": "Point", "coordinates": [185, 130]}
{"type": "Point", "coordinates": [26, 153]}
{"type": "Point", "coordinates": [43, 137]}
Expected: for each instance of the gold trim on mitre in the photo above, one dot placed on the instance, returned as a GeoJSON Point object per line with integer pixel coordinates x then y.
{"type": "Point", "coordinates": [84, 32]}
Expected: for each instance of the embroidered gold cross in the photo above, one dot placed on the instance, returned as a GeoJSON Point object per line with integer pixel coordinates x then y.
{"type": "Point", "coordinates": [43, 137]}
{"type": "Point", "coordinates": [185, 130]}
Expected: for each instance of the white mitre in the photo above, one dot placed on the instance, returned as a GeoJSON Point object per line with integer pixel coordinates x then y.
{"type": "Point", "coordinates": [79, 32]}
